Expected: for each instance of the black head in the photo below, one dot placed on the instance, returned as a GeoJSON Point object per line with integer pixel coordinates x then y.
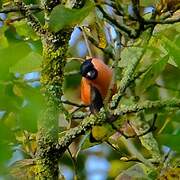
{"type": "Point", "coordinates": [88, 70]}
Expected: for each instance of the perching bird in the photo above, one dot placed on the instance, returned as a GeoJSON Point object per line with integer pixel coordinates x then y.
{"type": "Point", "coordinates": [96, 83]}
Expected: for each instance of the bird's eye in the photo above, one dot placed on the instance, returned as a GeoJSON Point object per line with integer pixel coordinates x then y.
{"type": "Point", "coordinates": [91, 74]}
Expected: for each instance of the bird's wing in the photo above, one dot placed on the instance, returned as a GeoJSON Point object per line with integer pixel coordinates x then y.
{"type": "Point", "coordinates": [96, 100]}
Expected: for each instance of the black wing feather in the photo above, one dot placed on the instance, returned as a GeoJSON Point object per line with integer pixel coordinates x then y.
{"type": "Point", "coordinates": [96, 100]}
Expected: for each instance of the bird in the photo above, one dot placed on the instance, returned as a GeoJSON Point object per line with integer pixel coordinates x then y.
{"type": "Point", "coordinates": [97, 81]}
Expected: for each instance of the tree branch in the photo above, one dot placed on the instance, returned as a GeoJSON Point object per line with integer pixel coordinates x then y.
{"type": "Point", "coordinates": [136, 9]}
{"type": "Point", "coordinates": [32, 7]}
{"type": "Point", "coordinates": [147, 105]}
{"type": "Point", "coordinates": [31, 19]}
{"type": "Point", "coordinates": [84, 126]}
{"type": "Point", "coordinates": [102, 117]}
{"type": "Point", "coordinates": [128, 75]}
{"type": "Point", "coordinates": [161, 21]}
{"type": "Point", "coordinates": [125, 81]}
{"type": "Point", "coordinates": [122, 27]}
{"type": "Point", "coordinates": [73, 104]}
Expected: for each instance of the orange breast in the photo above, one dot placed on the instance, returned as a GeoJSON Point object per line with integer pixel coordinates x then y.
{"type": "Point", "coordinates": [85, 92]}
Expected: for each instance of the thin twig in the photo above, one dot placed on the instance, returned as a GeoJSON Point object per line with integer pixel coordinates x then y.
{"type": "Point", "coordinates": [136, 135]}
{"type": "Point", "coordinates": [73, 104]}
{"type": "Point", "coordinates": [74, 161]}
{"type": "Point", "coordinates": [86, 41]}
{"type": "Point", "coordinates": [128, 30]}
{"type": "Point", "coordinates": [113, 147]}
{"type": "Point", "coordinates": [10, 21]}
{"type": "Point", "coordinates": [71, 73]}
{"type": "Point", "coordinates": [136, 9]}
{"type": "Point", "coordinates": [160, 21]}
{"type": "Point", "coordinates": [76, 58]}
{"type": "Point", "coordinates": [168, 88]}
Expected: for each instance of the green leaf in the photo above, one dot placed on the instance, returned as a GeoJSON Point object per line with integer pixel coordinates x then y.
{"type": "Point", "coordinates": [170, 140]}
{"type": "Point", "coordinates": [23, 29]}
{"type": "Point", "coordinates": [28, 118]}
{"type": "Point", "coordinates": [170, 80]}
{"type": "Point", "coordinates": [62, 17]}
{"type": "Point", "coordinates": [30, 63]}
{"type": "Point", "coordinates": [136, 172]}
{"type": "Point", "coordinates": [3, 39]}
{"type": "Point", "coordinates": [7, 137]}
{"type": "Point", "coordinates": [8, 101]}
{"type": "Point", "coordinates": [172, 49]}
{"type": "Point", "coordinates": [32, 110]}
{"type": "Point", "coordinates": [130, 54]}
{"type": "Point", "coordinates": [117, 166]}
{"type": "Point", "coordinates": [86, 143]}
{"type": "Point", "coordinates": [147, 2]}
{"type": "Point", "coordinates": [9, 56]}
{"type": "Point", "coordinates": [153, 72]}
{"type": "Point", "coordinates": [97, 135]}
{"type": "Point", "coordinates": [5, 154]}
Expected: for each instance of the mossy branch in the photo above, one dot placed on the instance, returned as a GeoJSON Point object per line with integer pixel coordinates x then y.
{"type": "Point", "coordinates": [129, 74]}
{"type": "Point", "coordinates": [52, 76]}
{"type": "Point", "coordinates": [167, 21]}
{"type": "Point", "coordinates": [124, 83]}
{"type": "Point", "coordinates": [31, 19]}
{"type": "Point", "coordinates": [103, 117]}
{"type": "Point", "coordinates": [83, 128]}
{"type": "Point", "coordinates": [147, 105]}
{"type": "Point", "coordinates": [31, 7]}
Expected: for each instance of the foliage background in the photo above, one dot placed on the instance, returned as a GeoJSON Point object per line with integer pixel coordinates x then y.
{"type": "Point", "coordinates": [21, 102]}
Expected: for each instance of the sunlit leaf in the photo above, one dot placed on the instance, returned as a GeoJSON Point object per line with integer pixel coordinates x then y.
{"type": "Point", "coordinates": [24, 30]}
{"type": "Point", "coordinates": [129, 54]}
{"type": "Point", "coordinates": [147, 2]}
{"type": "Point", "coordinates": [101, 132]}
{"type": "Point", "coordinates": [32, 62]}
{"type": "Point", "coordinates": [11, 55]}
{"type": "Point", "coordinates": [3, 40]}
{"type": "Point", "coordinates": [117, 166]}
{"type": "Point", "coordinates": [153, 72]}
{"type": "Point", "coordinates": [10, 120]}
{"type": "Point", "coordinates": [172, 49]}
{"type": "Point", "coordinates": [86, 142]}
{"type": "Point", "coordinates": [135, 172]}
{"type": "Point", "coordinates": [32, 109]}
{"type": "Point", "coordinates": [64, 17]}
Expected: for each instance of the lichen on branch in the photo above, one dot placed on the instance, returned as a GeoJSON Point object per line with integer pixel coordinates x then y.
{"type": "Point", "coordinates": [104, 115]}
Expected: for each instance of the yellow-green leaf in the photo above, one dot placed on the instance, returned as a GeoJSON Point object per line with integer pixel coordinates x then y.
{"type": "Point", "coordinates": [30, 63]}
